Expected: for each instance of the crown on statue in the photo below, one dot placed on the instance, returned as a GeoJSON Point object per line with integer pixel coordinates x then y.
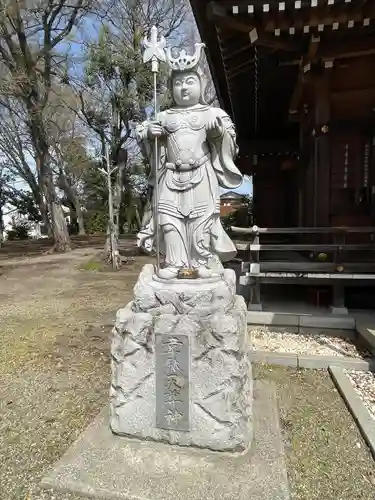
{"type": "Point", "coordinates": [184, 61]}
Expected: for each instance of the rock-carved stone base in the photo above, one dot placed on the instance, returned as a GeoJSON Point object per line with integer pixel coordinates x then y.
{"type": "Point", "coordinates": [219, 373]}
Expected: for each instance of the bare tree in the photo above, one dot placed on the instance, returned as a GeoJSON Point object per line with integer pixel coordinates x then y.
{"type": "Point", "coordinates": [118, 87]}
{"type": "Point", "coordinates": [68, 147]}
{"type": "Point", "coordinates": [17, 152]}
{"type": "Point", "coordinates": [4, 180]}
{"type": "Point", "coordinates": [30, 33]}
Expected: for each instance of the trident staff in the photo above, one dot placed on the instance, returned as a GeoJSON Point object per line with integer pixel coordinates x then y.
{"type": "Point", "coordinates": [154, 52]}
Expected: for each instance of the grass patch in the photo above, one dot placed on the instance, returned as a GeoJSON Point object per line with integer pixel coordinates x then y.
{"type": "Point", "coordinates": [55, 325]}
{"type": "Point", "coordinates": [93, 266]}
{"type": "Point", "coordinates": [326, 455]}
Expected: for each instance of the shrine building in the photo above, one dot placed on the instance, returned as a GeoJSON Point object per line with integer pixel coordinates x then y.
{"type": "Point", "coordinates": [298, 79]}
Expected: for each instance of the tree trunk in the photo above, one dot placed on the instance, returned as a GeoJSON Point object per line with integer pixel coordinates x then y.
{"type": "Point", "coordinates": [45, 219]}
{"type": "Point", "coordinates": [45, 175]}
{"type": "Point", "coordinates": [60, 231]}
{"type": "Point", "coordinates": [80, 220]}
{"type": "Point", "coordinates": [1, 227]}
{"type": "Point", "coordinates": [71, 193]}
{"type": "Point", "coordinates": [138, 217]}
{"type": "Point", "coordinates": [113, 229]}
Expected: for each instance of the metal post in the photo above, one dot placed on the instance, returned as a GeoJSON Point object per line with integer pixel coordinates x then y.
{"type": "Point", "coordinates": [110, 209]}
{"type": "Point", "coordinates": [154, 52]}
{"type": "Point", "coordinates": [156, 187]}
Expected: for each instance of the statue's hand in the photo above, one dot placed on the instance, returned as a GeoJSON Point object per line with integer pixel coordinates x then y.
{"type": "Point", "coordinates": [215, 127]}
{"type": "Point", "coordinates": [155, 130]}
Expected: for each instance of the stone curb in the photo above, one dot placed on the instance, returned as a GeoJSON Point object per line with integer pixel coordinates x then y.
{"type": "Point", "coordinates": [326, 322]}
{"type": "Point", "coordinates": [365, 332]}
{"type": "Point", "coordinates": [275, 358]}
{"type": "Point", "coordinates": [323, 362]}
{"type": "Point", "coordinates": [355, 405]}
{"type": "Point", "coordinates": [310, 361]}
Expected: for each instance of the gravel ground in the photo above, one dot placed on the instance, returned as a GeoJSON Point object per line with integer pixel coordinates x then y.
{"type": "Point", "coordinates": [364, 385]}
{"type": "Point", "coordinates": [302, 343]}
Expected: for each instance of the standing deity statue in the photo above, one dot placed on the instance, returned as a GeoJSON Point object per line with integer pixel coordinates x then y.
{"type": "Point", "coordinates": [197, 148]}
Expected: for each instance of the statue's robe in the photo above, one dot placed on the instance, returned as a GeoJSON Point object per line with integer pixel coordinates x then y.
{"type": "Point", "coordinates": [192, 166]}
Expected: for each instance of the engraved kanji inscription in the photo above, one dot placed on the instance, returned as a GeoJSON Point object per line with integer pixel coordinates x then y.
{"type": "Point", "coordinates": [172, 382]}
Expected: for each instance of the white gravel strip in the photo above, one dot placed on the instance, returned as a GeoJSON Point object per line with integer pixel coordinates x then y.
{"type": "Point", "coordinates": [262, 339]}
{"type": "Point", "coordinates": [364, 386]}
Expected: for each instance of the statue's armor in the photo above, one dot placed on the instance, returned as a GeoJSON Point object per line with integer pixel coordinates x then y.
{"type": "Point", "coordinates": [187, 152]}
{"type": "Point", "coordinates": [186, 139]}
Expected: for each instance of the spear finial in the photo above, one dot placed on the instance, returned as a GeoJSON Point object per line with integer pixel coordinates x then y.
{"type": "Point", "coordinates": [154, 52]}
{"type": "Point", "coordinates": [154, 49]}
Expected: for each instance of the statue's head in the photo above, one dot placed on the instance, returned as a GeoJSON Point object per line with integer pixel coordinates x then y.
{"type": "Point", "coordinates": [186, 88]}
{"type": "Point", "coordinates": [187, 81]}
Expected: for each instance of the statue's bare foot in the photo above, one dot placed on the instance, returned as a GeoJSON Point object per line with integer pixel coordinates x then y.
{"type": "Point", "coordinates": [204, 272]}
{"type": "Point", "coordinates": [168, 273]}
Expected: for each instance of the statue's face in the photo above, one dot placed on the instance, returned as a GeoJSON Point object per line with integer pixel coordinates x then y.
{"type": "Point", "coordinates": [186, 89]}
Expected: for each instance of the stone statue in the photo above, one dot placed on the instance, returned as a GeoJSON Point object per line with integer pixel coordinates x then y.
{"type": "Point", "coordinates": [197, 147]}
{"type": "Point", "coordinates": [181, 371]}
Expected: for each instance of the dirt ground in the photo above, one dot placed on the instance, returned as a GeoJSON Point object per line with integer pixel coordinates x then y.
{"type": "Point", "coordinates": [55, 322]}
{"type": "Point", "coordinates": [56, 315]}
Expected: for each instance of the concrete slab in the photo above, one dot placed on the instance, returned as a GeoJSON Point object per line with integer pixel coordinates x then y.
{"type": "Point", "coordinates": [101, 465]}
{"type": "Point", "coordinates": [276, 329]}
{"type": "Point", "coordinates": [292, 306]}
{"type": "Point", "coordinates": [255, 307]}
{"type": "Point", "coordinates": [270, 318]}
{"type": "Point", "coordinates": [336, 322]}
{"type": "Point", "coordinates": [332, 332]}
{"type": "Point", "coordinates": [312, 361]}
{"type": "Point", "coordinates": [355, 405]}
{"type": "Point", "coordinates": [275, 358]}
{"type": "Point", "coordinates": [339, 311]}
{"type": "Point", "coordinates": [301, 320]}
{"type": "Point", "coordinates": [323, 362]}
{"type": "Point", "coordinates": [364, 330]}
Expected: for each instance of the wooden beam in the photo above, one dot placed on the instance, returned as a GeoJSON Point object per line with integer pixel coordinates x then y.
{"type": "Point", "coordinates": [358, 6]}
{"type": "Point", "coordinates": [266, 146]}
{"type": "Point", "coordinates": [258, 5]}
{"type": "Point", "coordinates": [239, 68]}
{"type": "Point", "coordinates": [340, 50]}
{"type": "Point", "coordinates": [354, 94]}
{"type": "Point", "coordinates": [317, 267]}
{"type": "Point", "coordinates": [306, 230]}
{"type": "Point", "coordinates": [257, 36]}
{"type": "Point", "coordinates": [329, 247]}
{"type": "Point", "coordinates": [304, 69]}
{"type": "Point", "coordinates": [322, 149]}
{"type": "Point", "coordinates": [348, 49]}
{"type": "Point", "coordinates": [230, 53]}
{"type": "Point", "coordinates": [313, 20]}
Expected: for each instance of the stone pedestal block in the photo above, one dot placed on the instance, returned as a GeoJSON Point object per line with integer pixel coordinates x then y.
{"type": "Point", "coordinates": [180, 364]}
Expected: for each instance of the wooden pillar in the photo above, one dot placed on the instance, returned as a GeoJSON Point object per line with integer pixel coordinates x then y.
{"type": "Point", "coordinates": [338, 289]}
{"type": "Point", "coordinates": [307, 168]}
{"type": "Point", "coordinates": [255, 202]}
{"type": "Point", "coordinates": [322, 153]}
{"type": "Point", "coordinates": [255, 302]}
{"type": "Point", "coordinates": [372, 180]}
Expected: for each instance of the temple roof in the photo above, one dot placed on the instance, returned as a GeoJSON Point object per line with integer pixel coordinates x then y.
{"type": "Point", "coordinates": [261, 53]}
{"type": "Point", "coordinates": [231, 195]}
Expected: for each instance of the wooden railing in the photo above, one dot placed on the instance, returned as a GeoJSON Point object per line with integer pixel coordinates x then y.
{"type": "Point", "coordinates": [339, 271]}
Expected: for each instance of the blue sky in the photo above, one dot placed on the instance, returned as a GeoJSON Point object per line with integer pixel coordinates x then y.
{"type": "Point", "coordinates": [245, 188]}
